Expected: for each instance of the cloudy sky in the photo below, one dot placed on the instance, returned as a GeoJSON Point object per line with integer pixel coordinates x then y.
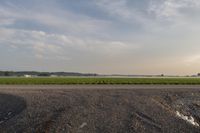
{"type": "Point", "coordinates": [101, 36]}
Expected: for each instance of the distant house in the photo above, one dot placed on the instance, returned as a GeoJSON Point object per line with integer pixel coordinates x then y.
{"type": "Point", "coordinates": [27, 76]}
{"type": "Point", "coordinates": [53, 75]}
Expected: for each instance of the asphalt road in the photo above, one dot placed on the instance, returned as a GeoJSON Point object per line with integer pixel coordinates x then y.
{"type": "Point", "coordinates": [100, 108]}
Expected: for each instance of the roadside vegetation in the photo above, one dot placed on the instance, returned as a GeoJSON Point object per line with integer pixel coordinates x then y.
{"type": "Point", "coordinates": [87, 80]}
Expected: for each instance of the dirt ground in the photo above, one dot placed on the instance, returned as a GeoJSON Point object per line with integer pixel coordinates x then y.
{"type": "Point", "coordinates": [100, 109]}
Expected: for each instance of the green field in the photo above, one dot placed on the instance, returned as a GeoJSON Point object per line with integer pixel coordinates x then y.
{"type": "Point", "coordinates": [86, 80]}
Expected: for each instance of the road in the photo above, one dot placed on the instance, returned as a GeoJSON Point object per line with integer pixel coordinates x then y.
{"type": "Point", "coordinates": [105, 87]}
{"type": "Point", "coordinates": [99, 108]}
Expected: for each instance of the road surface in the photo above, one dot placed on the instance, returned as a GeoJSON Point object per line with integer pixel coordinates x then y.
{"type": "Point", "coordinates": [99, 108]}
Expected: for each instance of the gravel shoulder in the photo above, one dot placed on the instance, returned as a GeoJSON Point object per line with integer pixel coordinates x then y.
{"type": "Point", "coordinates": [100, 108]}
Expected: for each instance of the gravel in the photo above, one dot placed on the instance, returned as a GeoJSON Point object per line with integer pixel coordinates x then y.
{"type": "Point", "coordinates": [98, 108]}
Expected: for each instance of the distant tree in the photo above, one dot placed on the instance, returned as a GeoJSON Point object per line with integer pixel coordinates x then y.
{"type": "Point", "coordinates": [44, 74]}
{"type": "Point", "coordinates": [6, 73]}
{"type": "Point", "coordinates": [198, 74]}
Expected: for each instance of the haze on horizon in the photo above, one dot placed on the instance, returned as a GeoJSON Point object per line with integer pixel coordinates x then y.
{"type": "Point", "coordinates": [101, 36]}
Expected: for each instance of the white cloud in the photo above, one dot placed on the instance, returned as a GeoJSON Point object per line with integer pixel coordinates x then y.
{"type": "Point", "coordinates": [60, 46]}
{"type": "Point", "coordinates": [6, 21]}
{"type": "Point", "coordinates": [168, 9]}
{"type": "Point", "coordinates": [62, 21]}
{"type": "Point", "coordinates": [119, 10]}
{"type": "Point", "coordinates": [115, 7]}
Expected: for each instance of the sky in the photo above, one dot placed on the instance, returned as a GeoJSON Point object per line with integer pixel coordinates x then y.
{"type": "Point", "coordinates": [101, 36]}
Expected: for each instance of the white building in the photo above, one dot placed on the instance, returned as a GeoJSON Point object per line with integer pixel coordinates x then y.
{"type": "Point", "coordinates": [27, 76]}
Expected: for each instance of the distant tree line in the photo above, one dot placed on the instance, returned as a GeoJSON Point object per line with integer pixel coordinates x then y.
{"type": "Point", "coordinates": [43, 74]}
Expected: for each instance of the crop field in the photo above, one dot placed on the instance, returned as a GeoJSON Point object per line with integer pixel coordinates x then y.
{"type": "Point", "coordinates": [96, 80]}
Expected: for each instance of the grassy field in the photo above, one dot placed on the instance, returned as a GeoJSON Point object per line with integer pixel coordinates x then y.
{"type": "Point", "coordinates": [86, 80]}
